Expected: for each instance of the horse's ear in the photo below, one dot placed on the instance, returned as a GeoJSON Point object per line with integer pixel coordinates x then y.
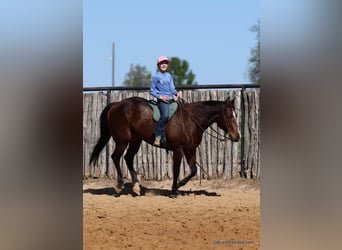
{"type": "Point", "coordinates": [231, 102]}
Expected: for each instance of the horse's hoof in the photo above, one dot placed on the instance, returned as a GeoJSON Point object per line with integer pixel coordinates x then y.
{"type": "Point", "coordinates": [136, 188]}
{"type": "Point", "coordinates": [118, 188]}
{"type": "Point", "coordinates": [174, 194]}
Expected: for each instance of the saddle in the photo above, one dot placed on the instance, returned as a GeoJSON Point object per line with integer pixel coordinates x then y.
{"type": "Point", "coordinates": [156, 114]}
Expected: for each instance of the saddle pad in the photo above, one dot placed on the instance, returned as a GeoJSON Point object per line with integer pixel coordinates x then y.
{"type": "Point", "coordinates": [156, 114]}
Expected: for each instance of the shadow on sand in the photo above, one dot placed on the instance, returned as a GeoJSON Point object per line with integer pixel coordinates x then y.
{"type": "Point", "coordinates": [128, 190]}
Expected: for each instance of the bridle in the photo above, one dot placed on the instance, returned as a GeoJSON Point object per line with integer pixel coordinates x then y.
{"type": "Point", "coordinates": [217, 134]}
{"type": "Point", "coordinates": [225, 120]}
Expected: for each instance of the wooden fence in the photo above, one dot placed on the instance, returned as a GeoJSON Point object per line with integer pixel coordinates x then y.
{"type": "Point", "coordinates": [218, 159]}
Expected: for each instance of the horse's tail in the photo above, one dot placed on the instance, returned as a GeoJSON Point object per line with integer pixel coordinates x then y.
{"type": "Point", "coordinates": [104, 138]}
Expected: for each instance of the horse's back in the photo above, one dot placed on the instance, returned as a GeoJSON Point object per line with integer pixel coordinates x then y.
{"type": "Point", "coordinates": [131, 104]}
{"type": "Point", "coordinates": [134, 101]}
{"type": "Point", "coordinates": [131, 116]}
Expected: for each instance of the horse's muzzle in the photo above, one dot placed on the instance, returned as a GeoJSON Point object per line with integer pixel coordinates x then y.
{"type": "Point", "coordinates": [236, 139]}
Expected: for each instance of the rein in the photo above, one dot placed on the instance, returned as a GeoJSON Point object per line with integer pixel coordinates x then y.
{"type": "Point", "coordinates": [181, 106]}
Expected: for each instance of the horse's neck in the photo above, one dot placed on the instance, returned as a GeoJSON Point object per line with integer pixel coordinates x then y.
{"type": "Point", "coordinates": [206, 113]}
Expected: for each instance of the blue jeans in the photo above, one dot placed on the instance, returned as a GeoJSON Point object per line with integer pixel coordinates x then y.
{"type": "Point", "coordinates": [164, 116]}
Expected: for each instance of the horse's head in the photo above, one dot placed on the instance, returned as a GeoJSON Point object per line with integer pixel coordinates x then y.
{"type": "Point", "coordinates": [228, 122]}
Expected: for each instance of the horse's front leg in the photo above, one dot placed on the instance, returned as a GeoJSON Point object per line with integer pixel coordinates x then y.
{"type": "Point", "coordinates": [191, 159]}
{"type": "Point", "coordinates": [177, 158]}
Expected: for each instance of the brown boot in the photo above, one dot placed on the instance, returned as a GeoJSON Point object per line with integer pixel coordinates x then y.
{"type": "Point", "coordinates": [157, 141]}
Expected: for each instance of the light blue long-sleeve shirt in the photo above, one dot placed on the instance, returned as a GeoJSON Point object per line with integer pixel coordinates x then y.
{"type": "Point", "coordinates": [162, 85]}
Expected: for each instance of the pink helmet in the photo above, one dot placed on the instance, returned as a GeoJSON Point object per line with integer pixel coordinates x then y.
{"type": "Point", "coordinates": [162, 58]}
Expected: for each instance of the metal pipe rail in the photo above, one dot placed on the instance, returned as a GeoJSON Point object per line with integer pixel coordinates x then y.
{"type": "Point", "coordinates": [243, 87]}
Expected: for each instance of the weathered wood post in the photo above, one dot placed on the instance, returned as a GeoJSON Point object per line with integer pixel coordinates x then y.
{"type": "Point", "coordinates": [107, 146]}
{"type": "Point", "coordinates": [242, 144]}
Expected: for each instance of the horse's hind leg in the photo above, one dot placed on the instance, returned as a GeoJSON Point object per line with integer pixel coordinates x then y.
{"type": "Point", "coordinates": [191, 159]}
{"type": "Point", "coordinates": [116, 156]}
{"type": "Point", "coordinates": [133, 148]}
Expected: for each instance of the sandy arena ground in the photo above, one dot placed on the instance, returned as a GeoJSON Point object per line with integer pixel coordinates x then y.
{"type": "Point", "coordinates": [217, 214]}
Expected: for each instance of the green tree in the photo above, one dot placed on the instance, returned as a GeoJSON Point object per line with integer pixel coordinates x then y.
{"type": "Point", "coordinates": [179, 69]}
{"type": "Point", "coordinates": [254, 61]}
{"type": "Point", "coordinates": [138, 76]}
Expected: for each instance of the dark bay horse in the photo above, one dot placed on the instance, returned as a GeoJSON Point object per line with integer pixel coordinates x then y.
{"type": "Point", "coordinates": [130, 121]}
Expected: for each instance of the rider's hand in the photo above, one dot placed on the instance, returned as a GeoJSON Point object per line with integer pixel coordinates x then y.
{"type": "Point", "coordinates": [164, 98]}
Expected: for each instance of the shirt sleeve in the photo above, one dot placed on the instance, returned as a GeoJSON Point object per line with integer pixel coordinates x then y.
{"type": "Point", "coordinates": [172, 86]}
{"type": "Point", "coordinates": [153, 90]}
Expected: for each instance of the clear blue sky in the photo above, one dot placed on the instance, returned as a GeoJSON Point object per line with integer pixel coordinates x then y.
{"type": "Point", "coordinates": [213, 36]}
